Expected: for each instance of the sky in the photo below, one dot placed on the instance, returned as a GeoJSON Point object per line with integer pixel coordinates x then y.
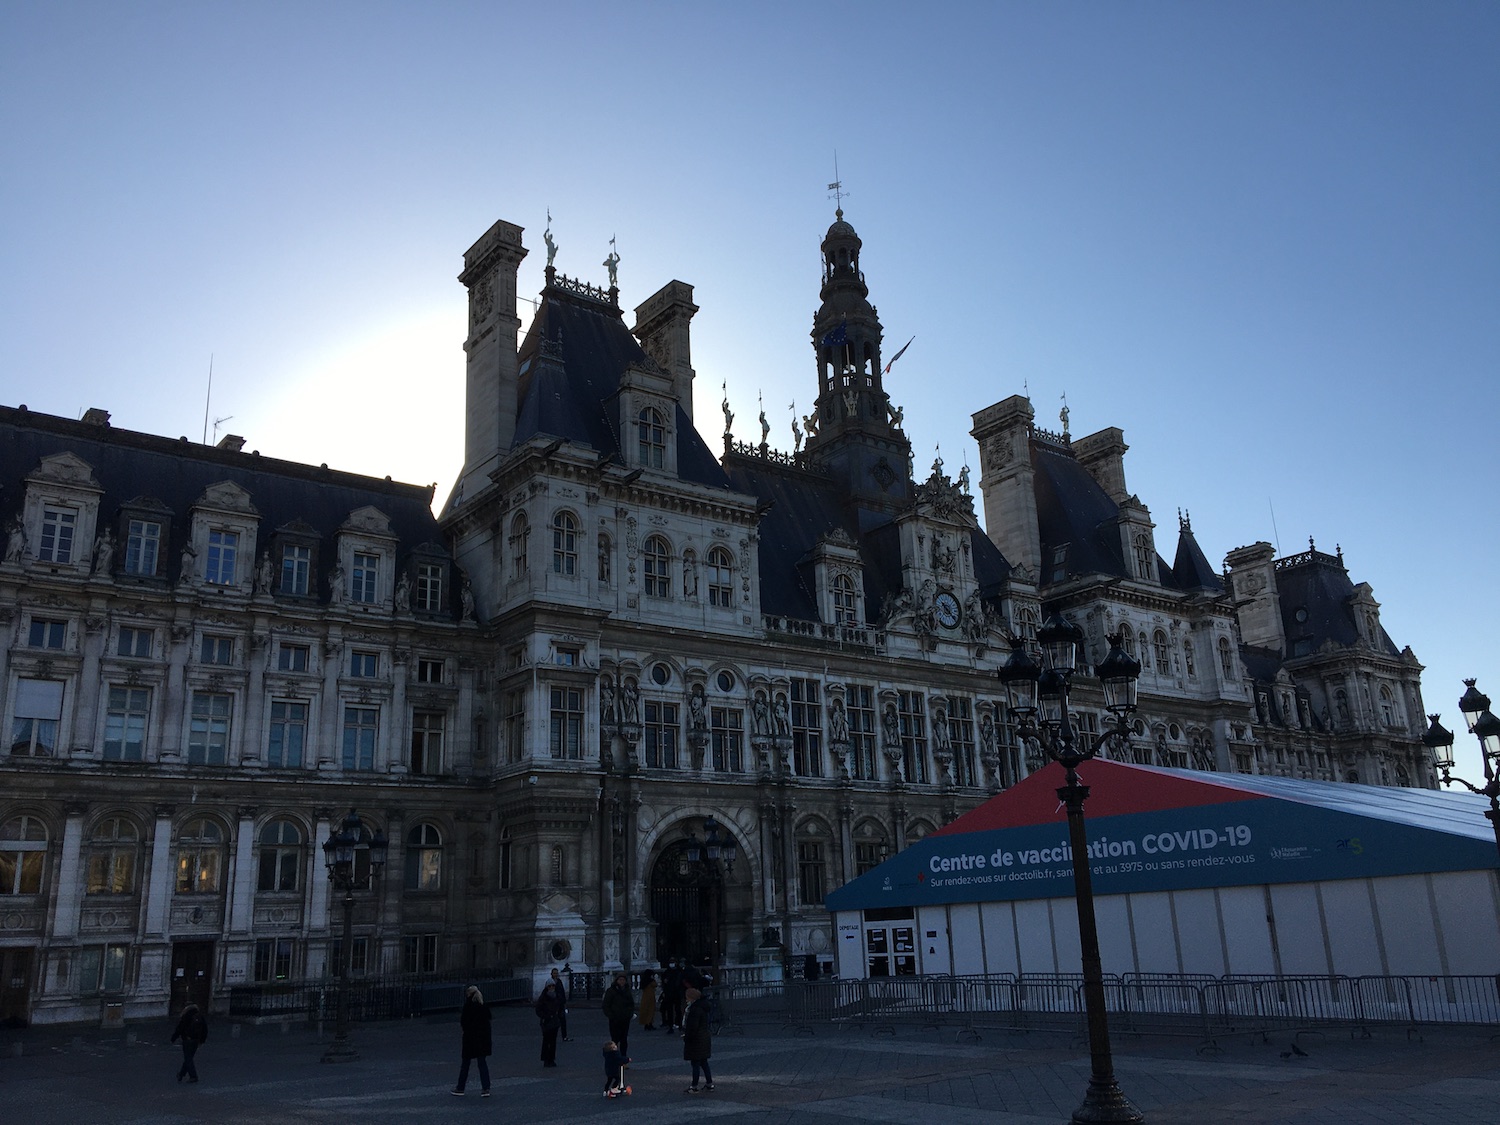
{"type": "Point", "coordinates": [1259, 238]}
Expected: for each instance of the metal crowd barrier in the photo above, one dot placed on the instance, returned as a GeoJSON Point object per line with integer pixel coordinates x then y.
{"type": "Point", "coordinates": [402, 996]}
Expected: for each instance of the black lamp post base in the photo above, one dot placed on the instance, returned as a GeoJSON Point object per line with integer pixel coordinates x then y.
{"type": "Point", "coordinates": [1106, 1102]}
{"type": "Point", "coordinates": [341, 1051]}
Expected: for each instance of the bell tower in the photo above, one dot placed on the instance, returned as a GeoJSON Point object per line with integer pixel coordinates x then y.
{"type": "Point", "coordinates": [856, 429]}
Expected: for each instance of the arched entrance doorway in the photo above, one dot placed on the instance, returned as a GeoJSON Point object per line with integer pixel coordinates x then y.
{"type": "Point", "coordinates": [687, 904]}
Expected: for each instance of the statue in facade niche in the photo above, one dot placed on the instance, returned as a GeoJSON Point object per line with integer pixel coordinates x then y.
{"type": "Point", "coordinates": [783, 716]}
{"type": "Point", "coordinates": [264, 573]}
{"type": "Point", "coordinates": [15, 543]}
{"type": "Point", "coordinates": [104, 553]}
{"type": "Point", "coordinates": [403, 593]}
{"type": "Point", "coordinates": [697, 708]}
{"type": "Point", "coordinates": [838, 721]}
{"type": "Point", "coordinates": [630, 703]}
{"type": "Point", "coordinates": [760, 716]}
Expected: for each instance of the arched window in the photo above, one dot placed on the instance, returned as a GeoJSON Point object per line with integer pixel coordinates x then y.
{"type": "Point", "coordinates": [720, 577]}
{"type": "Point", "coordinates": [1188, 664]}
{"type": "Point", "coordinates": [23, 853]}
{"type": "Point", "coordinates": [424, 858]}
{"type": "Point", "coordinates": [1144, 557]}
{"type": "Point", "coordinates": [200, 857]}
{"type": "Point", "coordinates": [558, 865]}
{"type": "Point", "coordinates": [520, 543]}
{"type": "Point", "coordinates": [843, 600]}
{"type": "Point", "coordinates": [1160, 652]}
{"type": "Point", "coordinates": [1127, 641]}
{"type": "Point", "coordinates": [112, 858]}
{"type": "Point", "coordinates": [1387, 706]}
{"type": "Point", "coordinates": [1226, 658]}
{"type": "Point", "coordinates": [564, 544]}
{"type": "Point", "coordinates": [652, 438]}
{"type": "Point", "coordinates": [656, 559]}
{"type": "Point", "coordinates": [280, 856]}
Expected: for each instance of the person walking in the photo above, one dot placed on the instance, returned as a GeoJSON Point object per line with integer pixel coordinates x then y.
{"type": "Point", "coordinates": [474, 1021]}
{"type": "Point", "coordinates": [648, 1000]}
{"type": "Point", "coordinates": [619, 1010]}
{"type": "Point", "coordinates": [192, 1030]}
{"type": "Point", "coordinates": [549, 1010]}
{"type": "Point", "coordinates": [697, 1040]}
{"type": "Point", "coordinates": [671, 996]}
{"type": "Point", "coordinates": [562, 992]}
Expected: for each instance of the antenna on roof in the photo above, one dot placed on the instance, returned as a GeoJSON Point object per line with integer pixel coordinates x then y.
{"type": "Point", "coordinates": [219, 422]}
{"type": "Point", "coordinates": [208, 396]}
{"type": "Point", "coordinates": [1276, 535]}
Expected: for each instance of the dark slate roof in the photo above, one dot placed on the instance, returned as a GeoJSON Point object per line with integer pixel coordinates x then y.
{"type": "Point", "coordinates": [567, 395]}
{"type": "Point", "coordinates": [129, 466]}
{"type": "Point", "coordinates": [1074, 512]}
{"type": "Point", "coordinates": [1319, 585]}
{"type": "Point", "coordinates": [1191, 569]}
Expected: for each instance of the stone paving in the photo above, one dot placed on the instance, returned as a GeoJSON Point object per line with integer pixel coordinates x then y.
{"type": "Point", "coordinates": [765, 1074]}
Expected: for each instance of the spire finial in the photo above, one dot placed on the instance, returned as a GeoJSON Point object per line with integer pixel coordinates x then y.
{"type": "Point", "coordinates": [837, 188]}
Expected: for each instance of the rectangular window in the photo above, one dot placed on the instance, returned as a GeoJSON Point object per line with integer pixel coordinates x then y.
{"type": "Point", "coordinates": [101, 968]}
{"type": "Point", "coordinates": [134, 642]}
{"type": "Point", "coordinates": [429, 597]}
{"type": "Point", "coordinates": [46, 633]}
{"type": "Point", "coordinates": [208, 732]}
{"type": "Point", "coordinates": [296, 569]}
{"type": "Point", "coordinates": [859, 702]}
{"type": "Point", "coordinates": [223, 551]}
{"type": "Point", "coordinates": [292, 658]}
{"type": "Point", "coordinates": [38, 715]}
{"type": "Point", "coordinates": [429, 671]}
{"type": "Point", "coordinates": [727, 733]}
{"type": "Point", "coordinates": [427, 742]}
{"type": "Point", "coordinates": [419, 953]}
{"type": "Point", "coordinates": [807, 729]}
{"type": "Point", "coordinates": [515, 725]}
{"type": "Point", "coordinates": [142, 547]}
{"type": "Point", "coordinates": [961, 735]}
{"type": "Point", "coordinates": [810, 872]}
{"type": "Point", "coordinates": [866, 857]}
{"type": "Point", "coordinates": [216, 649]}
{"type": "Point", "coordinates": [361, 725]}
{"type": "Point", "coordinates": [125, 724]}
{"type": "Point", "coordinates": [362, 579]}
{"type": "Point", "coordinates": [273, 959]}
{"type": "Point", "coordinates": [568, 657]}
{"type": "Point", "coordinates": [288, 734]}
{"type": "Point", "coordinates": [567, 723]}
{"type": "Point", "coordinates": [362, 665]}
{"type": "Point", "coordinates": [58, 526]}
{"type": "Point", "coordinates": [913, 712]}
{"type": "Point", "coordinates": [661, 734]}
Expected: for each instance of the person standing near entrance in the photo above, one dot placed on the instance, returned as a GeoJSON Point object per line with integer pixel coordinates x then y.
{"type": "Point", "coordinates": [671, 996]}
{"type": "Point", "coordinates": [619, 1010]}
{"type": "Point", "coordinates": [474, 1020]}
{"type": "Point", "coordinates": [192, 1030]}
{"type": "Point", "coordinates": [562, 994]}
{"type": "Point", "coordinates": [697, 1040]}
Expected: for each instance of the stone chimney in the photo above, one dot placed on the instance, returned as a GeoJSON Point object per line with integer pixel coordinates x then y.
{"type": "Point", "coordinates": [490, 269]}
{"type": "Point", "coordinates": [1257, 602]}
{"type": "Point", "coordinates": [661, 325]}
{"type": "Point", "coordinates": [1006, 478]}
{"type": "Point", "coordinates": [1103, 455]}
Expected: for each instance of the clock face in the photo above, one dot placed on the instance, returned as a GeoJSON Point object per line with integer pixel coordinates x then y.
{"type": "Point", "coordinates": [947, 609]}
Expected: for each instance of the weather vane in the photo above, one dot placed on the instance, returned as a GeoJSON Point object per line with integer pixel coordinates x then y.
{"type": "Point", "coordinates": [836, 189]}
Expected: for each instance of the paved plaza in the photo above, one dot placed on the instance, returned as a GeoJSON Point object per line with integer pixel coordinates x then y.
{"type": "Point", "coordinates": [830, 1077]}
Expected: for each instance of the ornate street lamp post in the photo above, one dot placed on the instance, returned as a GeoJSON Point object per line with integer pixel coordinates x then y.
{"type": "Point", "coordinates": [340, 852]}
{"type": "Point", "coordinates": [1482, 722]}
{"type": "Point", "coordinates": [1038, 698]}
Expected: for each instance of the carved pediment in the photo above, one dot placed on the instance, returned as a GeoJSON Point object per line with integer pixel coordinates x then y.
{"type": "Point", "coordinates": [369, 521]}
{"type": "Point", "coordinates": [226, 496]}
{"type": "Point", "coordinates": [65, 468]}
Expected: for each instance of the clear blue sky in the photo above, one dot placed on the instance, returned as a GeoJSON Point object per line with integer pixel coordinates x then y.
{"type": "Point", "coordinates": [1260, 238]}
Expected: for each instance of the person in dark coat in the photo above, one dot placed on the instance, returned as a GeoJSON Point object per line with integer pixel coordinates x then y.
{"type": "Point", "coordinates": [671, 996]}
{"type": "Point", "coordinates": [474, 1020]}
{"type": "Point", "coordinates": [562, 992]}
{"type": "Point", "coordinates": [549, 1010]}
{"type": "Point", "coordinates": [697, 1040]}
{"type": "Point", "coordinates": [619, 1010]}
{"type": "Point", "coordinates": [192, 1030]}
{"type": "Point", "coordinates": [648, 1000]}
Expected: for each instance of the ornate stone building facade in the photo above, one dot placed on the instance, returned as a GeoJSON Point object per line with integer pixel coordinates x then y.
{"type": "Point", "coordinates": [611, 642]}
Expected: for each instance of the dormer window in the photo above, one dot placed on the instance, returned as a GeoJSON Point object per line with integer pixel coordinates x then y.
{"type": "Point", "coordinates": [652, 437]}
{"type": "Point", "coordinates": [296, 570]}
{"type": "Point", "coordinates": [56, 541]}
{"type": "Point", "coordinates": [429, 597]}
{"type": "Point", "coordinates": [142, 547]}
{"type": "Point", "coordinates": [363, 578]}
{"type": "Point", "coordinates": [843, 601]}
{"type": "Point", "coordinates": [223, 554]}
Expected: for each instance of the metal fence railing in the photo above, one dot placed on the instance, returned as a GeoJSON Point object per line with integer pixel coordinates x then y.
{"type": "Point", "coordinates": [395, 996]}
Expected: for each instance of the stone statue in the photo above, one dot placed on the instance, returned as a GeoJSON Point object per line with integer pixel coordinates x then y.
{"type": "Point", "coordinates": [851, 403]}
{"type": "Point", "coordinates": [894, 411]}
{"type": "Point", "coordinates": [760, 716]}
{"type": "Point", "coordinates": [783, 716]}
{"type": "Point", "coordinates": [689, 574]}
{"type": "Point", "coordinates": [466, 599]}
{"type": "Point", "coordinates": [15, 543]}
{"type": "Point", "coordinates": [963, 478]}
{"type": "Point", "coordinates": [264, 573]}
{"type": "Point", "coordinates": [604, 559]}
{"type": "Point", "coordinates": [765, 427]}
{"type": "Point", "coordinates": [336, 585]}
{"type": "Point", "coordinates": [796, 431]}
{"type": "Point", "coordinates": [941, 742]}
{"type": "Point", "coordinates": [607, 701]}
{"type": "Point", "coordinates": [612, 264]}
{"type": "Point", "coordinates": [890, 724]}
{"type": "Point", "coordinates": [838, 721]}
{"type": "Point", "coordinates": [551, 246]}
{"type": "Point", "coordinates": [728, 414]}
{"type": "Point", "coordinates": [631, 702]}
{"type": "Point", "coordinates": [185, 563]}
{"type": "Point", "coordinates": [104, 553]}
{"type": "Point", "coordinates": [697, 709]}
{"type": "Point", "coordinates": [988, 749]}
{"type": "Point", "coordinates": [403, 593]}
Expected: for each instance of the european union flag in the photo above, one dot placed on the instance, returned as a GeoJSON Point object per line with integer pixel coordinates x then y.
{"type": "Point", "coordinates": [837, 338]}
